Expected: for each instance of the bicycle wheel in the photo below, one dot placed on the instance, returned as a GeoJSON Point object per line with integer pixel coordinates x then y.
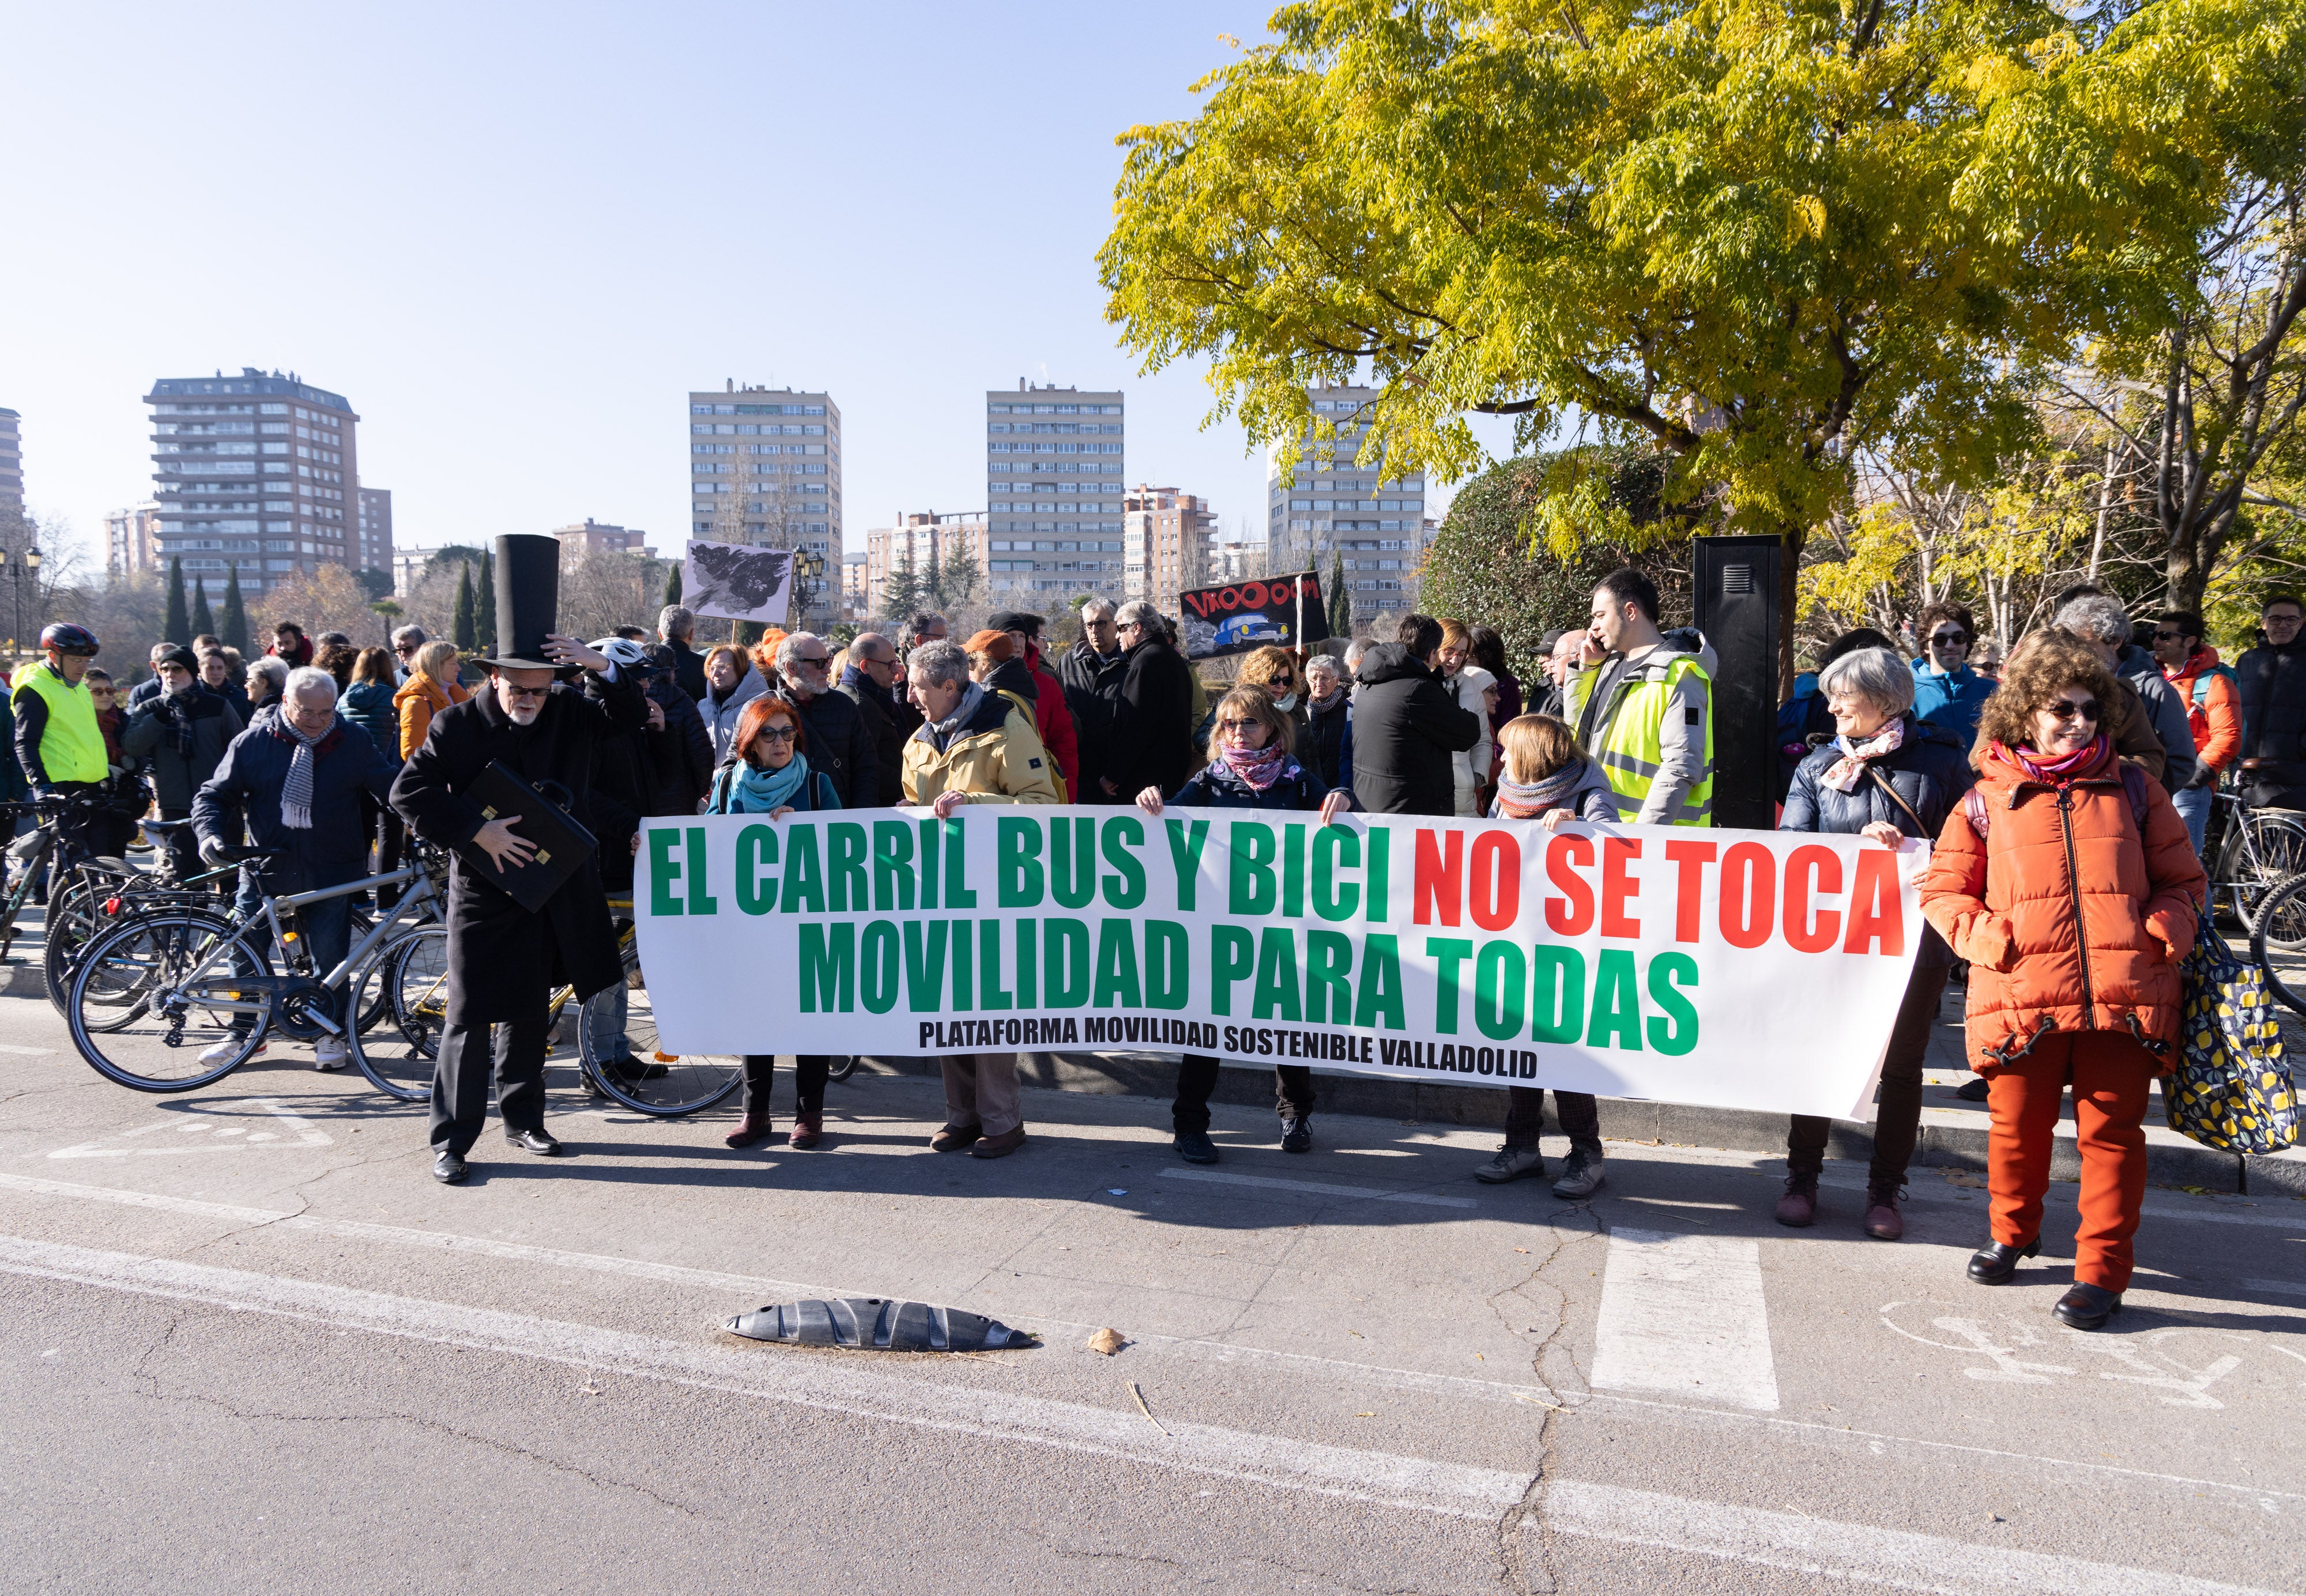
{"type": "Point", "coordinates": [406, 986]}
{"type": "Point", "coordinates": [626, 1062]}
{"type": "Point", "coordinates": [2278, 942]}
{"type": "Point", "coordinates": [185, 1032]}
{"type": "Point", "coordinates": [2270, 850]}
{"type": "Point", "coordinates": [75, 916]}
{"type": "Point", "coordinates": [843, 1066]}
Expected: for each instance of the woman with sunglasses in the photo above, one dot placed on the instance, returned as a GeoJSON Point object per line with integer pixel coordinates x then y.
{"type": "Point", "coordinates": [2071, 885]}
{"type": "Point", "coordinates": [768, 774]}
{"type": "Point", "coordinates": [1251, 767]}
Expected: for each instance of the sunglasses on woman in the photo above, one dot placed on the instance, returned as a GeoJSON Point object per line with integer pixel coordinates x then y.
{"type": "Point", "coordinates": [777, 734]}
{"type": "Point", "coordinates": [2066, 708]}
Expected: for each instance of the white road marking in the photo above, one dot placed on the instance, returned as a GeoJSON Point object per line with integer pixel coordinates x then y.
{"type": "Point", "coordinates": [2288, 1288]}
{"type": "Point", "coordinates": [1685, 1314]}
{"type": "Point", "coordinates": [1320, 1188]}
{"type": "Point", "coordinates": [1897, 1558]}
{"type": "Point", "coordinates": [29, 1052]}
{"type": "Point", "coordinates": [754, 1289]}
{"type": "Point", "coordinates": [1456, 1490]}
{"type": "Point", "coordinates": [220, 1138]}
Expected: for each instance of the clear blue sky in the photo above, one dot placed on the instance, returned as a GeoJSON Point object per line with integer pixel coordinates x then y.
{"type": "Point", "coordinates": [505, 232]}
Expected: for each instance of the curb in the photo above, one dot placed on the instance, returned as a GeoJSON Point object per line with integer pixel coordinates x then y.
{"type": "Point", "coordinates": [24, 977]}
{"type": "Point", "coordinates": [1948, 1138]}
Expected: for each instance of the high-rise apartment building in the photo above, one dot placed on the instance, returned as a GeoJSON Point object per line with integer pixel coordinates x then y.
{"type": "Point", "coordinates": [131, 539]}
{"type": "Point", "coordinates": [604, 537]}
{"type": "Point", "coordinates": [257, 472]}
{"type": "Point", "coordinates": [1053, 468]}
{"type": "Point", "coordinates": [765, 467]}
{"type": "Point", "coordinates": [1168, 544]}
{"type": "Point", "coordinates": [1334, 508]}
{"type": "Point", "coordinates": [12, 466]}
{"type": "Point", "coordinates": [947, 551]}
{"type": "Point", "coordinates": [372, 531]}
{"type": "Point", "coordinates": [856, 596]}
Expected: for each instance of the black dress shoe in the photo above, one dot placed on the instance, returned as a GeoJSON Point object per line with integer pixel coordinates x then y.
{"type": "Point", "coordinates": [1194, 1147]}
{"type": "Point", "coordinates": [534, 1141]}
{"type": "Point", "coordinates": [2086, 1307]}
{"type": "Point", "coordinates": [448, 1168]}
{"type": "Point", "coordinates": [1993, 1264]}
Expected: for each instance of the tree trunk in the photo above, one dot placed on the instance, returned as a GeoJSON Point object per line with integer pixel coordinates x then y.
{"type": "Point", "coordinates": [1791, 538]}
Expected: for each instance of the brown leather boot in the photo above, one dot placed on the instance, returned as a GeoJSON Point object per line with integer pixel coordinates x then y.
{"type": "Point", "coordinates": [1798, 1207]}
{"type": "Point", "coordinates": [1882, 1221]}
{"type": "Point", "coordinates": [752, 1128]}
{"type": "Point", "coordinates": [808, 1130]}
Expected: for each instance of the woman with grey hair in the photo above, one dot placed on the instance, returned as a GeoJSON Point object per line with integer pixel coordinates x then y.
{"type": "Point", "coordinates": [2153, 728]}
{"type": "Point", "coordinates": [267, 677]}
{"type": "Point", "coordinates": [1885, 774]}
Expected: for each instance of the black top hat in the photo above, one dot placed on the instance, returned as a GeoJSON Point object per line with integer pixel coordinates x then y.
{"type": "Point", "coordinates": [528, 600]}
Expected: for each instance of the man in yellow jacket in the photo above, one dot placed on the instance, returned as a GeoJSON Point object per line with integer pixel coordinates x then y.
{"type": "Point", "coordinates": [58, 742]}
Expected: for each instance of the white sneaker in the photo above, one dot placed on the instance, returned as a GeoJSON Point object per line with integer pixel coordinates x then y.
{"type": "Point", "coordinates": [226, 1048]}
{"type": "Point", "coordinates": [330, 1052]}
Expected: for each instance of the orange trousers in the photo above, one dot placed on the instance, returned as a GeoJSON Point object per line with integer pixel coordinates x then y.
{"type": "Point", "coordinates": [2110, 1073]}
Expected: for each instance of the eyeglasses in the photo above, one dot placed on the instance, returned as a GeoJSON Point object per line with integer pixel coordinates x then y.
{"type": "Point", "coordinates": [407, 648]}
{"type": "Point", "coordinates": [2163, 635]}
{"type": "Point", "coordinates": [778, 734]}
{"type": "Point", "coordinates": [1237, 725]}
{"type": "Point", "coordinates": [2066, 708]}
{"type": "Point", "coordinates": [1948, 639]}
{"type": "Point", "coordinates": [510, 691]}
{"type": "Point", "coordinates": [812, 659]}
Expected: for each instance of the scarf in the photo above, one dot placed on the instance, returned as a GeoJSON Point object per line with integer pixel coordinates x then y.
{"type": "Point", "coordinates": [1844, 773]}
{"type": "Point", "coordinates": [937, 734]}
{"type": "Point", "coordinates": [1322, 706]}
{"type": "Point", "coordinates": [1286, 703]}
{"type": "Point", "coordinates": [1525, 800]}
{"type": "Point", "coordinates": [757, 792]}
{"type": "Point", "coordinates": [297, 792]}
{"type": "Point", "coordinates": [2056, 772]}
{"type": "Point", "coordinates": [1258, 767]}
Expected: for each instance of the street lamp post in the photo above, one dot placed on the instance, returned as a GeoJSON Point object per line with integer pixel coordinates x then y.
{"type": "Point", "coordinates": [30, 560]}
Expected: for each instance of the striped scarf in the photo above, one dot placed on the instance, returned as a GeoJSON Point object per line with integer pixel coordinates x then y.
{"type": "Point", "coordinates": [1526, 800]}
{"type": "Point", "coordinates": [297, 792]}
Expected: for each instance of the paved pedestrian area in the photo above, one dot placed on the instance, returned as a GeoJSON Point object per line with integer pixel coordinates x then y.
{"type": "Point", "coordinates": [246, 1339]}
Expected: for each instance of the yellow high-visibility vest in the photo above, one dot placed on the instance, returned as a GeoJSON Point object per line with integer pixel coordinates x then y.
{"type": "Point", "coordinates": [71, 744]}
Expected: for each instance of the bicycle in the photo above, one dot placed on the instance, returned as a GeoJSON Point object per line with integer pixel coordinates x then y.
{"type": "Point", "coordinates": [200, 979]}
{"type": "Point", "coordinates": [2255, 851]}
{"type": "Point", "coordinates": [96, 899]}
{"type": "Point", "coordinates": [2277, 943]}
{"type": "Point", "coordinates": [59, 847]}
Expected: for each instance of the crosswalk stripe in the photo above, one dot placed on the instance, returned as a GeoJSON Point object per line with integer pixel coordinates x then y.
{"type": "Point", "coordinates": [1685, 1314]}
{"type": "Point", "coordinates": [1429, 1199]}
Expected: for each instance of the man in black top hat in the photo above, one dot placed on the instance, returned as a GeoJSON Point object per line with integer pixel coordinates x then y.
{"type": "Point", "coordinates": [504, 960]}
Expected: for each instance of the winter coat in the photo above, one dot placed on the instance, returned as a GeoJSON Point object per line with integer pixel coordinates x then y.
{"type": "Point", "coordinates": [14, 788]}
{"type": "Point", "coordinates": [1470, 769]}
{"type": "Point", "coordinates": [2213, 710]}
{"type": "Point", "coordinates": [815, 793]}
{"type": "Point", "coordinates": [2070, 920]}
{"type": "Point", "coordinates": [1802, 718]}
{"type": "Point", "coordinates": [687, 668]}
{"type": "Point", "coordinates": [1323, 744]}
{"type": "Point", "coordinates": [1092, 686]}
{"type": "Point", "coordinates": [248, 782]}
{"type": "Point", "coordinates": [879, 707]}
{"type": "Point", "coordinates": [1592, 800]}
{"type": "Point", "coordinates": [2132, 731]}
{"type": "Point", "coordinates": [841, 745]}
{"type": "Point", "coordinates": [1949, 701]}
{"type": "Point", "coordinates": [2167, 713]}
{"type": "Point", "coordinates": [177, 777]}
{"type": "Point", "coordinates": [681, 749]}
{"type": "Point", "coordinates": [1216, 785]}
{"type": "Point", "coordinates": [996, 757]}
{"type": "Point", "coordinates": [1152, 736]}
{"type": "Point", "coordinates": [720, 715]}
{"type": "Point", "coordinates": [371, 705]}
{"type": "Point", "coordinates": [502, 963]}
{"type": "Point", "coordinates": [1930, 772]}
{"type": "Point", "coordinates": [1408, 728]}
{"type": "Point", "coordinates": [419, 699]}
{"type": "Point", "coordinates": [2273, 683]}
{"type": "Point", "coordinates": [233, 693]}
{"type": "Point", "coordinates": [297, 657]}
{"type": "Point", "coordinates": [1509, 707]}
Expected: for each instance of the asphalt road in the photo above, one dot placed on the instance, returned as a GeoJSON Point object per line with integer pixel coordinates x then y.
{"type": "Point", "coordinates": [245, 1341]}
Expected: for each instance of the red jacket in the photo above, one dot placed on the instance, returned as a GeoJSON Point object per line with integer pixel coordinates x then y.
{"type": "Point", "coordinates": [1054, 722]}
{"type": "Point", "coordinates": [2071, 919]}
{"type": "Point", "coordinates": [2216, 714]}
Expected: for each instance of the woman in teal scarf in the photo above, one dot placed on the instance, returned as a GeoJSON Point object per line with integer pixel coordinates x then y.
{"type": "Point", "coordinates": [768, 774]}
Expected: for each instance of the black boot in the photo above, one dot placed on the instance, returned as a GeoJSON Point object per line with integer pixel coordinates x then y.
{"type": "Point", "coordinates": [2086, 1307]}
{"type": "Point", "coordinates": [1297, 1134]}
{"type": "Point", "coordinates": [1994, 1264]}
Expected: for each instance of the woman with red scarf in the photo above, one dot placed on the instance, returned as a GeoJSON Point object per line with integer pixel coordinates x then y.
{"type": "Point", "coordinates": [2069, 884]}
{"type": "Point", "coordinates": [1251, 767]}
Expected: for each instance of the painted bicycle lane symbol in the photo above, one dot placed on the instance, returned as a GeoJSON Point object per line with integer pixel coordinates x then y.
{"type": "Point", "coordinates": [2179, 1363]}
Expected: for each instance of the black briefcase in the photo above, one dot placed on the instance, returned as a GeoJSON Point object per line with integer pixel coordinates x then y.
{"type": "Point", "coordinates": [562, 845]}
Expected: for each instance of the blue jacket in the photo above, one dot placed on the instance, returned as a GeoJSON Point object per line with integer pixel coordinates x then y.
{"type": "Point", "coordinates": [1952, 702]}
{"type": "Point", "coordinates": [255, 768]}
{"type": "Point", "coordinates": [1930, 772]}
{"type": "Point", "coordinates": [369, 706]}
{"type": "Point", "coordinates": [1216, 787]}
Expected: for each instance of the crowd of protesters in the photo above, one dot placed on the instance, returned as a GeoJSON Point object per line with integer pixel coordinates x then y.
{"type": "Point", "coordinates": [2068, 790]}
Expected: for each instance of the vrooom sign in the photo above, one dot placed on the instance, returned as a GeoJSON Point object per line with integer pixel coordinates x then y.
{"type": "Point", "coordinates": [1642, 961]}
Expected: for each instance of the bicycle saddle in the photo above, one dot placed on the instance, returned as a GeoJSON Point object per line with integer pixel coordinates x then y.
{"type": "Point", "coordinates": [161, 828]}
{"type": "Point", "coordinates": [243, 855]}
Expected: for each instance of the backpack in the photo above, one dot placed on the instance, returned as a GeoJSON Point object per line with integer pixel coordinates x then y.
{"type": "Point", "coordinates": [2201, 695]}
{"type": "Point", "coordinates": [2232, 1088]}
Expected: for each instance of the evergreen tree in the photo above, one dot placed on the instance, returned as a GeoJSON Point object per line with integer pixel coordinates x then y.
{"type": "Point", "coordinates": [933, 585]}
{"type": "Point", "coordinates": [900, 589]}
{"type": "Point", "coordinates": [203, 623]}
{"type": "Point", "coordinates": [176, 625]}
{"type": "Point", "coordinates": [1341, 600]}
{"type": "Point", "coordinates": [484, 605]}
{"type": "Point", "coordinates": [460, 629]}
{"type": "Point", "coordinates": [672, 584]}
{"type": "Point", "coordinates": [231, 624]}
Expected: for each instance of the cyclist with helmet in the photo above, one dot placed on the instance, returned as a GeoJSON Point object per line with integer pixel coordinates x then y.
{"type": "Point", "coordinates": [59, 743]}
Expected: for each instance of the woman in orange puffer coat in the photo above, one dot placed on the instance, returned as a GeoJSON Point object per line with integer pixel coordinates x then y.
{"type": "Point", "coordinates": [2074, 908]}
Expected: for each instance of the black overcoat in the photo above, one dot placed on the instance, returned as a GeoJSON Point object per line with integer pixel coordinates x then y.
{"type": "Point", "coordinates": [502, 964]}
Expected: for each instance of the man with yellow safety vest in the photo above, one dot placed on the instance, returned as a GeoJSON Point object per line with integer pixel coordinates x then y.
{"type": "Point", "coordinates": [1643, 708]}
{"type": "Point", "coordinates": [58, 742]}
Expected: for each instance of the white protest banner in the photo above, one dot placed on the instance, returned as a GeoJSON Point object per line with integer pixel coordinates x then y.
{"type": "Point", "coordinates": [1743, 969]}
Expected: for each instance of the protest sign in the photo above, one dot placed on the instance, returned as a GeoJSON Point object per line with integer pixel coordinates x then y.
{"type": "Point", "coordinates": [1744, 969]}
{"type": "Point", "coordinates": [1237, 616]}
{"type": "Point", "coordinates": [737, 582]}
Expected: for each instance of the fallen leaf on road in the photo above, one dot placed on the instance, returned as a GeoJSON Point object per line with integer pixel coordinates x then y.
{"type": "Point", "coordinates": [1963, 1177]}
{"type": "Point", "coordinates": [1108, 1341]}
{"type": "Point", "coordinates": [1521, 1250]}
{"type": "Point", "coordinates": [1364, 1415]}
{"type": "Point", "coordinates": [1142, 1408]}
